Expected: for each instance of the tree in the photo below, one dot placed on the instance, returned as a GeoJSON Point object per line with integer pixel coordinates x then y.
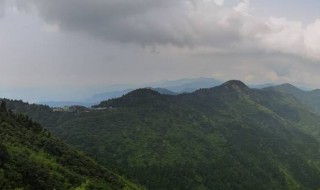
{"type": "Point", "coordinates": [4, 155]}
{"type": "Point", "coordinates": [3, 106]}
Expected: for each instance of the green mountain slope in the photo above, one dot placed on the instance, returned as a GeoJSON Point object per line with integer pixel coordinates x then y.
{"type": "Point", "coordinates": [30, 158]}
{"type": "Point", "coordinates": [227, 137]}
{"type": "Point", "coordinates": [309, 98]}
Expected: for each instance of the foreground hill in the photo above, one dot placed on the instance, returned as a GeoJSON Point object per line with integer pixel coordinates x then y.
{"type": "Point", "coordinates": [226, 137]}
{"type": "Point", "coordinates": [30, 158]}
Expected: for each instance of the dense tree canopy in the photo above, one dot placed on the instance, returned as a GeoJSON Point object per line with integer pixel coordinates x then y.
{"type": "Point", "coordinates": [227, 137]}
{"type": "Point", "coordinates": [30, 159]}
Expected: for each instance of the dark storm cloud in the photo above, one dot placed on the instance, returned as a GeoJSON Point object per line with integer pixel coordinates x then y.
{"type": "Point", "coordinates": [143, 22]}
{"type": "Point", "coordinates": [201, 24]}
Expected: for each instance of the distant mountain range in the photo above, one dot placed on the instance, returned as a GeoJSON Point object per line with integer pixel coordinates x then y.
{"type": "Point", "coordinates": [66, 103]}
{"type": "Point", "coordinates": [188, 85]}
{"type": "Point", "coordinates": [167, 87]}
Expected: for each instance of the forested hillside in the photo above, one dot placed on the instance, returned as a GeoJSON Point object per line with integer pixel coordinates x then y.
{"type": "Point", "coordinates": [226, 137]}
{"type": "Point", "coordinates": [30, 159]}
{"type": "Point", "coordinates": [309, 98]}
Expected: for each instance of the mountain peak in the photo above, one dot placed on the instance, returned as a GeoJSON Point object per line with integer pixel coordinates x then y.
{"type": "Point", "coordinates": [235, 84]}
{"type": "Point", "coordinates": [142, 92]}
{"type": "Point", "coordinates": [286, 87]}
{"type": "Point", "coordinates": [136, 97]}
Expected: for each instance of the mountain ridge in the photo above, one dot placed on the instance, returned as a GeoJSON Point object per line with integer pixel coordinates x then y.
{"type": "Point", "coordinates": [229, 134]}
{"type": "Point", "coordinates": [309, 98]}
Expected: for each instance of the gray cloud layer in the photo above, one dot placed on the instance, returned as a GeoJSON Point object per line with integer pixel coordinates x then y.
{"type": "Point", "coordinates": [2, 7]}
{"type": "Point", "coordinates": [144, 22]}
{"type": "Point", "coordinates": [70, 45]}
{"type": "Point", "coordinates": [181, 23]}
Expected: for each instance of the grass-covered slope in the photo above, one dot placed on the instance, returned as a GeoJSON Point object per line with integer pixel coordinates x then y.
{"type": "Point", "coordinates": [31, 159]}
{"type": "Point", "coordinates": [227, 137]}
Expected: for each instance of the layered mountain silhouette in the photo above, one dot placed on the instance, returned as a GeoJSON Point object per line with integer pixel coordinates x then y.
{"type": "Point", "coordinates": [225, 137]}
{"type": "Point", "coordinates": [166, 87]}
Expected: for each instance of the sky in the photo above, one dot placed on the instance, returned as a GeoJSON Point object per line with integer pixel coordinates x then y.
{"type": "Point", "coordinates": [70, 50]}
